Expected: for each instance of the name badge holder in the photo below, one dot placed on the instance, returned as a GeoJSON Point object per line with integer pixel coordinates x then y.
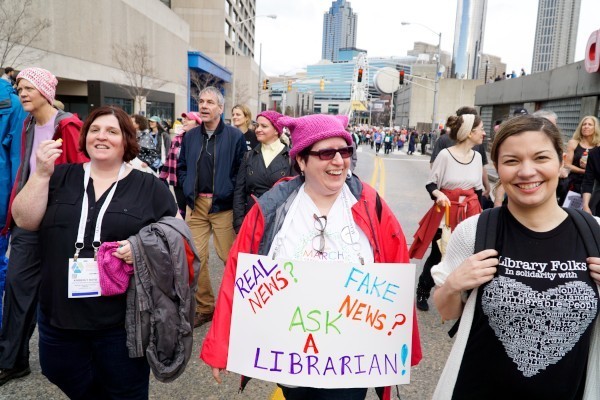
{"type": "Point", "coordinates": [83, 274]}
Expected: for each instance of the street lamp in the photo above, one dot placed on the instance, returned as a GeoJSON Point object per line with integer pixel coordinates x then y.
{"type": "Point", "coordinates": [235, 43]}
{"type": "Point", "coordinates": [437, 72]}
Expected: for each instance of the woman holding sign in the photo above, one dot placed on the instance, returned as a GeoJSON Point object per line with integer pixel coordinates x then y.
{"type": "Point", "coordinates": [324, 215]}
{"type": "Point", "coordinates": [82, 334]}
{"type": "Point", "coordinates": [527, 327]}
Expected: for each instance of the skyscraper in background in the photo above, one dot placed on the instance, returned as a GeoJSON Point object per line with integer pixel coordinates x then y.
{"type": "Point", "coordinates": [469, 30]}
{"type": "Point", "coordinates": [555, 34]}
{"type": "Point", "coordinates": [339, 29]}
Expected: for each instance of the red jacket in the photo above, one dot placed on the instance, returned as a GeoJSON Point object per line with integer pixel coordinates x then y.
{"type": "Point", "coordinates": [67, 129]}
{"type": "Point", "coordinates": [430, 223]}
{"type": "Point", "coordinates": [387, 240]}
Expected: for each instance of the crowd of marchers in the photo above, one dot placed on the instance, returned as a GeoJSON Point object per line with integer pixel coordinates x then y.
{"type": "Point", "coordinates": [109, 222]}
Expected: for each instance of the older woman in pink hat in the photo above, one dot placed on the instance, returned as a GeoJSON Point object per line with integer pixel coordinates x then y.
{"type": "Point", "coordinates": [261, 167]}
{"type": "Point", "coordinates": [306, 216]}
{"type": "Point", "coordinates": [168, 171]}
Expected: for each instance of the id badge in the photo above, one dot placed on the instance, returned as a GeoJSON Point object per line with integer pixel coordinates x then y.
{"type": "Point", "coordinates": [84, 278]}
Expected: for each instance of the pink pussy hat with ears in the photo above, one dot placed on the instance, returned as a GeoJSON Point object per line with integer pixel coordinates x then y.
{"type": "Point", "coordinates": [273, 117]}
{"type": "Point", "coordinates": [42, 79]}
{"type": "Point", "coordinates": [311, 129]}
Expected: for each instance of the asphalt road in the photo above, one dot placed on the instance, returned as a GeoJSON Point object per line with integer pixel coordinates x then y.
{"type": "Point", "coordinates": [400, 179]}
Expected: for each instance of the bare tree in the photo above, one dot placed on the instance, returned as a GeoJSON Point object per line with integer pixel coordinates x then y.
{"type": "Point", "coordinates": [18, 30]}
{"type": "Point", "coordinates": [242, 94]}
{"type": "Point", "coordinates": [201, 80]}
{"type": "Point", "coordinates": [135, 61]}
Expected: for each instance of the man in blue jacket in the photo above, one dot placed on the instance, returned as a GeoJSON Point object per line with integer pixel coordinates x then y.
{"type": "Point", "coordinates": [12, 116]}
{"type": "Point", "coordinates": [207, 168]}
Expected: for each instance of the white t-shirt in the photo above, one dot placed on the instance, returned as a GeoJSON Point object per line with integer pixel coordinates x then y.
{"type": "Point", "coordinates": [299, 236]}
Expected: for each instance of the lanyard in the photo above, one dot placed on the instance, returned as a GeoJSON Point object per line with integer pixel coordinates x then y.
{"type": "Point", "coordinates": [84, 212]}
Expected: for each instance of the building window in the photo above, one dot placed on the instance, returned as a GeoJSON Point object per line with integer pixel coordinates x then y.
{"type": "Point", "coordinates": [125, 104]}
{"type": "Point", "coordinates": [333, 109]}
{"type": "Point", "coordinates": [161, 109]}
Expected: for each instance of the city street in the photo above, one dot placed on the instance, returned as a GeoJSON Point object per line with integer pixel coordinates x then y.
{"type": "Point", "coordinates": [400, 180]}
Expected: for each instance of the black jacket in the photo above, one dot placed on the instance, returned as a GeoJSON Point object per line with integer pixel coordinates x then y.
{"type": "Point", "coordinates": [254, 179]}
{"type": "Point", "coordinates": [230, 147]}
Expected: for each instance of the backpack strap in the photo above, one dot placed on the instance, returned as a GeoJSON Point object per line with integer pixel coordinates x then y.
{"type": "Point", "coordinates": [588, 229]}
{"type": "Point", "coordinates": [485, 238]}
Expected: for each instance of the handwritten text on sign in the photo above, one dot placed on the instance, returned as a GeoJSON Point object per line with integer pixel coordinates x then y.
{"type": "Point", "coordinates": [322, 324]}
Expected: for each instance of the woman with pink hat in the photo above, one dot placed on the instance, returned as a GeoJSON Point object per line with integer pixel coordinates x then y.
{"type": "Point", "coordinates": [325, 214]}
{"type": "Point", "coordinates": [261, 167]}
{"type": "Point", "coordinates": [168, 171]}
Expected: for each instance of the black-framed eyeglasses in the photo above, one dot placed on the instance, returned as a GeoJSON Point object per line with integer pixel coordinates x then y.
{"type": "Point", "coordinates": [318, 241]}
{"type": "Point", "coordinates": [329, 154]}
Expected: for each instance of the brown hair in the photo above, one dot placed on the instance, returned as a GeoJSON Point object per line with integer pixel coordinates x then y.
{"type": "Point", "coordinates": [130, 144]}
{"type": "Point", "coordinates": [141, 121]}
{"type": "Point", "coordinates": [525, 123]}
{"type": "Point", "coordinates": [454, 122]}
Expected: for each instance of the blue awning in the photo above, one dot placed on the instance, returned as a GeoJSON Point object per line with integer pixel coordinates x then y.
{"type": "Point", "coordinates": [198, 60]}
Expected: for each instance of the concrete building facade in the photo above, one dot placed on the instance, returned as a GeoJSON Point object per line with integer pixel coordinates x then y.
{"type": "Point", "coordinates": [339, 30]}
{"type": "Point", "coordinates": [79, 48]}
{"type": "Point", "coordinates": [414, 101]}
{"type": "Point", "coordinates": [223, 30]}
{"type": "Point", "coordinates": [468, 38]}
{"type": "Point", "coordinates": [570, 91]}
{"type": "Point", "coordinates": [555, 34]}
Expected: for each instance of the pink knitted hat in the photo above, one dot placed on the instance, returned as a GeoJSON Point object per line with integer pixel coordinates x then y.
{"type": "Point", "coordinates": [114, 272]}
{"type": "Point", "coordinates": [311, 129]}
{"type": "Point", "coordinates": [42, 79]}
{"type": "Point", "coordinates": [273, 117]}
{"type": "Point", "coordinates": [193, 115]}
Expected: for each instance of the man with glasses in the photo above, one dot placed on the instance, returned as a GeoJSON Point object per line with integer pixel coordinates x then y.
{"type": "Point", "coordinates": [208, 165]}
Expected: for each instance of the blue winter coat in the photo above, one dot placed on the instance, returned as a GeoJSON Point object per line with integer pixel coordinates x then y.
{"type": "Point", "coordinates": [12, 116]}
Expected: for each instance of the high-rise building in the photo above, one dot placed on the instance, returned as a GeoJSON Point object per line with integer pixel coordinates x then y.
{"type": "Point", "coordinates": [555, 34]}
{"type": "Point", "coordinates": [339, 30]}
{"type": "Point", "coordinates": [469, 30]}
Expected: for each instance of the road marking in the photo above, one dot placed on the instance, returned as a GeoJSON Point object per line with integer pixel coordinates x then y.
{"type": "Point", "coordinates": [378, 176]}
{"type": "Point", "coordinates": [277, 395]}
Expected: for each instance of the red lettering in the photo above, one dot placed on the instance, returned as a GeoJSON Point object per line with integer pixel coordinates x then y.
{"type": "Point", "coordinates": [310, 343]}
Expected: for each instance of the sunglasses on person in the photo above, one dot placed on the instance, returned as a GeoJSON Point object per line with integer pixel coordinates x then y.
{"type": "Point", "coordinates": [329, 154]}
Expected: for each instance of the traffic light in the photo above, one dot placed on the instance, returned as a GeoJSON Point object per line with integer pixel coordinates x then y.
{"type": "Point", "coordinates": [265, 84]}
{"type": "Point", "coordinates": [402, 77]}
{"type": "Point", "coordinates": [289, 88]}
{"type": "Point", "coordinates": [322, 84]}
{"type": "Point", "coordinates": [360, 71]}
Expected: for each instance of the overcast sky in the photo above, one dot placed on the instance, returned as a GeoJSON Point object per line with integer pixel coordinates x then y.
{"type": "Point", "coordinates": [294, 39]}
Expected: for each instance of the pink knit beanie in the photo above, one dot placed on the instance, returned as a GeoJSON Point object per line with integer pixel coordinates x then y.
{"type": "Point", "coordinates": [273, 117]}
{"type": "Point", "coordinates": [311, 129]}
{"type": "Point", "coordinates": [114, 272]}
{"type": "Point", "coordinates": [42, 79]}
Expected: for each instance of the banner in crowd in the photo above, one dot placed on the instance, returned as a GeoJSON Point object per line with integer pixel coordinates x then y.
{"type": "Point", "coordinates": [322, 324]}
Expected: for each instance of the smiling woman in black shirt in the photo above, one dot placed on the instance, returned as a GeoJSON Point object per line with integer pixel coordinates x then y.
{"type": "Point", "coordinates": [527, 328]}
{"type": "Point", "coordinates": [82, 336]}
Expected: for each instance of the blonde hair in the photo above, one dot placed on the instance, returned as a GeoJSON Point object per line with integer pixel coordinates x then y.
{"type": "Point", "coordinates": [247, 113]}
{"type": "Point", "coordinates": [596, 137]}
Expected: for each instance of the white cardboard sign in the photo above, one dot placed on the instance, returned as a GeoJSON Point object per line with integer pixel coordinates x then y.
{"type": "Point", "coordinates": [322, 324]}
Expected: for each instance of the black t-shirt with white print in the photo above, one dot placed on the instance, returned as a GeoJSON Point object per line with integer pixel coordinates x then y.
{"type": "Point", "coordinates": [532, 324]}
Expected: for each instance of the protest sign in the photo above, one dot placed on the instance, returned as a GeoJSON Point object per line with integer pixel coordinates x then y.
{"type": "Point", "coordinates": [322, 324]}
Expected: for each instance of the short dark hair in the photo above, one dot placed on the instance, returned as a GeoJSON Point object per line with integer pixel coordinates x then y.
{"type": "Point", "coordinates": [8, 70]}
{"type": "Point", "coordinates": [141, 121]}
{"type": "Point", "coordinates": [525, 123]}
{"type": "Point", "coordinates": [304, 156]}
{"type": "Point", "coordinates": [130, 144]}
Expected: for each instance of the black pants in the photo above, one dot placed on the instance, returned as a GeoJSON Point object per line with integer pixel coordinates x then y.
{"type": "Point", "coordinates": [306, 393]}
{"type": "Point", "coordinates": [20, 298]}
{"type": "Point", "coordinates": [426, 282]}
{"type": "Point", "coordinates": [377, 147]}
